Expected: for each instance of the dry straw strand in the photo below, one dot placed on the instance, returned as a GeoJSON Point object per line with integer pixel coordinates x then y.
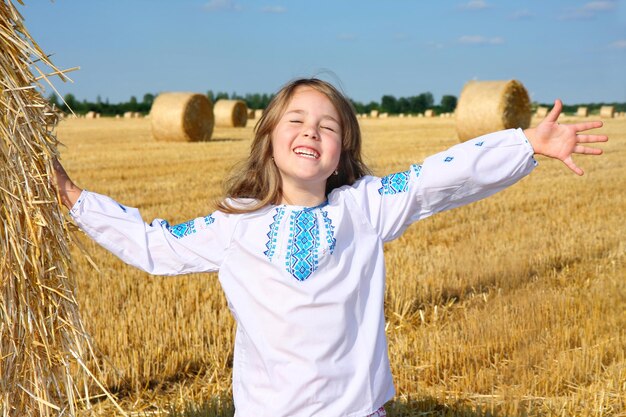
{"type": "Point", "coordinates": [487, 106]}
{"type": "Point", "coordinates": [40, 325]}
{"type": "Point", "coordinates": [230, 113]}
{"type": "Point", "coordinates": [182, 117]}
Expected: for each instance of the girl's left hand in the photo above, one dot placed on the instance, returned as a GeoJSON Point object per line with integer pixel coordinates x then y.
{"type": "Point", "coordinates": [560, 141]}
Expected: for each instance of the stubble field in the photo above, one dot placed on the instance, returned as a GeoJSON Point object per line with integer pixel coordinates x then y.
{"type": "Point", "coordinates": [514, 305]}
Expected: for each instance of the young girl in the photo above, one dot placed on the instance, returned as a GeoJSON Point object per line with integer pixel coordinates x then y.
{"type": "Point", "coordinates": [298, 243]}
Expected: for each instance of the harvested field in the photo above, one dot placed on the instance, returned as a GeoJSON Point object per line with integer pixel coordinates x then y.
{"type": "Point", "coordinates": [515, 305]}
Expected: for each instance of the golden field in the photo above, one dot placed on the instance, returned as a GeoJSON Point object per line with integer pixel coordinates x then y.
{"type": "Point", "coordinates": [514, 305]}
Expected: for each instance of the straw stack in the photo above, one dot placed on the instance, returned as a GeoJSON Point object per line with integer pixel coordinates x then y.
{"type": "Point", "coordinates": [43, 344]}
{"type": "Point", "coordinates": [607, 112]}
{"type": "Point", "coordinates": [541, 112]}
{"type": "Point", "coordinates": [488, 106]}
{"type": "Point", "coordinates": [230, 113]}
{"type": "Point", "coordinates": [582, 111]}
{"type": "Point", "coordinates": [182, 117]}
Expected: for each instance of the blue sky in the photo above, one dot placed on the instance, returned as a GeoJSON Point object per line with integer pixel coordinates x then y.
{"type": "Point", "coordinates": [569, 49]}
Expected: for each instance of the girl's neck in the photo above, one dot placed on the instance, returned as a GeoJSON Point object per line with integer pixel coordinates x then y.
{"type": "Point", "coordinates": [304, 198]}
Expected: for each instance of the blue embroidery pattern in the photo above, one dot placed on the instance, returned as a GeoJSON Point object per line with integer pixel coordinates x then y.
{"type": "Point", "coordinates": [180, 230]}
{"type": "Point", "coordinates": [481, 143]}
{"type": "Point", "coordinates": [303, 245]}
{"type": "Point", "coordinates": [394, 183]}
{"type": "Point", "coordinates": [273, 233]}
{"type": "Point", "coordinates": [301, 259]}
{"type": "Point", "coordinates": [209, 219]}
{"type": "Point", "coordinates": [398, 182]}
{"type": "Point", "coordinates": [448, 158]}
{"type": "Point", "coordinates": [330, 232]}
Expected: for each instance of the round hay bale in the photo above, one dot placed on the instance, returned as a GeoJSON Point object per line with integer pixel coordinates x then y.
{"type": "Point", "coordinates": [182, 117]}
{"type": "Point", "coordinates": [230, 113]}
{"type": "Point", "coordinates": [374, 114]}
{"type": "Point", "coordinates": [429, 113]}
{"type": "Point", "coordinates": [488, 106]}
{"type": "Point", "coordinates": [128, 115]}
{"type": "Point", "coordinates": [251, 113]}
{"type": "Point", "coordinates": [541, 112]}
{"type": "Point", "coordinates": [258, 113]}
{"type": "Point", "coordinates": [607, 112]}
{"type": "Point", "coordinates": [90, 115]}
{"type": "Point", "coordinates": [582, 111]}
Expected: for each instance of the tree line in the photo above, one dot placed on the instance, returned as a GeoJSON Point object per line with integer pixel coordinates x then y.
{"type": "Point", "coordinates": [388, 104]}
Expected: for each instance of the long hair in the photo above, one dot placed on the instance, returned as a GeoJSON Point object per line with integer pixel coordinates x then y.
{"type": "Point", "coordinates": [258, 177]}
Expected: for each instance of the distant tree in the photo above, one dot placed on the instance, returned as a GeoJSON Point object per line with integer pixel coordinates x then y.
{"type": "Point", "coordinates": [53, 99]}
{"type": "Point", "coordinates": [70, 101]}
{"type": "Point", "coordinates": [448, 103]}
{"type": "Point", "coordinates": [404, 105]}
{"type": "Point", "coordinates": [389, 104]}
{"type": "Point", "coordinates": [148, 99]}
{"type": "Point", "coordinates": [211, 96]}
{"type": "Point", "coordinates": [133, 104]}
{"type": "Point", "coordinates": [221, 96]}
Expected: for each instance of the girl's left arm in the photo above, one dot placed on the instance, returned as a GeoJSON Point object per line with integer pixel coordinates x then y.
{"type": "Point", "coordinates": [561, 141]}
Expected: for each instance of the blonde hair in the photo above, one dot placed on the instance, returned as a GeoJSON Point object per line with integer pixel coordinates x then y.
{"type": "Point", "coordinates": [258, 177]}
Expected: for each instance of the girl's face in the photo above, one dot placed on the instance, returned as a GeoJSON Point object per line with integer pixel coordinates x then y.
{"type": "Point", "coordinates": [306, 143]}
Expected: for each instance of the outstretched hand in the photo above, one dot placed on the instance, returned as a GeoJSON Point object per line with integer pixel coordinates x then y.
{"type": "Point", "coordinates": [68, 191]}
{"type": "Point", "coordinates": [561, 141]}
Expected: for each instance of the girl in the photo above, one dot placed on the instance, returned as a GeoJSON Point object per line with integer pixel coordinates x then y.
{"type": "Point", "coordinates": [298, 243]}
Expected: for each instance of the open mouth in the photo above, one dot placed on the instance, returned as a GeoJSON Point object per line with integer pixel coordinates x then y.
{"type": "Point", "coordinates": [306, 152]}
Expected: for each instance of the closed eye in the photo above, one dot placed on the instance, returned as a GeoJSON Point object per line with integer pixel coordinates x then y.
{"type": "Point", "coordinates": [295, 121]}
{"type": "Point", "coordinates": [328, 128]}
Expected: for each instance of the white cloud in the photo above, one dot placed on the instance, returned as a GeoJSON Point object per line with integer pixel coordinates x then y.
{"type": "Point", "coordinates": [475, 5]}
{"type": "Point", "coordinates": [435, 45]}
{"type": "Point", "coordinates": [589, 10]}
{"type": "Point", "coordinates": [521, 15]}
{"type": "Point", "coordinates": [222, 6]}
{"type": "Point", "coordinates": [600, 6]}
{"type": "Point", "coordinates": [480, 40]}
{"type": "Point", "coordinates": [274, 9]}
{"type": "Point", "coordinates": [619, 44]}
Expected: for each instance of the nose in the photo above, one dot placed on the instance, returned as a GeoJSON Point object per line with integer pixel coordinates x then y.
{"type": "Point", "coordinates": [311, 132]}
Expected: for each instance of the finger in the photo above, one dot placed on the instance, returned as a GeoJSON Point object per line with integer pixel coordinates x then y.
{"type": "Point", "coordinates": [591, 138]}
{"type": "Point", "coordinates": [555, 112]}
{"type": "Point", "coordinates": [587, 125]}
{"type": "Point", "coordinates": [587, 150]}
{"type": "Point", "coordinates": [572, 166]}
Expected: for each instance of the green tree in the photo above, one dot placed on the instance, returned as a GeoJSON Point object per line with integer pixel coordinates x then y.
{"type": "Point", "coordinates": [53, 99]}
{"type": "Point", "coordinates": [389, 104]}
{"type": "Point", "coordinates": [148, 99]}
{"type": "Point", "coordinates": [448, 103]}
{"type": "Point", "coordinates": [71, 102]}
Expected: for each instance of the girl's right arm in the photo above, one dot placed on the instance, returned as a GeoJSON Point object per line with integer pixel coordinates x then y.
{"type": "Point", "coordinates": [198, 245]}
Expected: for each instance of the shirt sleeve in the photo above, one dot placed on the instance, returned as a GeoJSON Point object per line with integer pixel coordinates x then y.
{"type": "Point", "coordinates": [465, 173]}
{"type": "Point", "coordinates": [158, 248]}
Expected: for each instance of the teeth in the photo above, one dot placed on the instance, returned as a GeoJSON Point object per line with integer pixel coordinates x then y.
{"type": "Point", "coordinates": [309, 153]}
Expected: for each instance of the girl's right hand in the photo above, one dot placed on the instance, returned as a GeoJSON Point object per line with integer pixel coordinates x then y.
{"type": "Point", "coordinates": [68, 191]}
